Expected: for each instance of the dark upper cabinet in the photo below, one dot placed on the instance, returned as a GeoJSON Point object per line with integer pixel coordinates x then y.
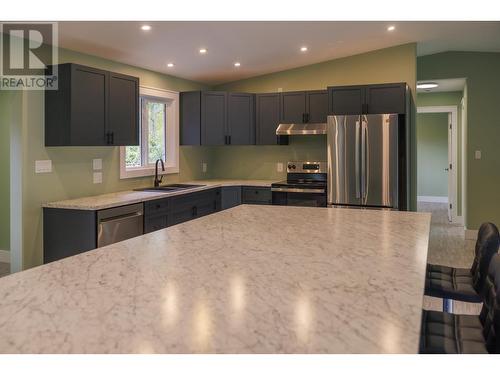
{"type": "Point", "coordinates": [367, 99]}
{"type": "Point", "coordinates": [387, 98]}
{"type": "Point", "coordinates": [216, 118]}
{"type": "Point", "coordinates": [213, 118]}
{"type": "Point", "coordinates": [190, 118]}
{"type": "Point", "coordinates": [304, 106]}
{"type": "Point", "coordinates": [92, 107]}
{"type": "Point", "coordinates": [346, 100]}
{"type": "Point", "coordinates": [240, 119]}
{"type": "Point", "coordinates": [123, 117]}
{"type": "Point", "coordinates": [267, 117]}
{"type": "Point", "coordinates": [293, 107]}
{"type": "Point", "coordinates": [317, 106]}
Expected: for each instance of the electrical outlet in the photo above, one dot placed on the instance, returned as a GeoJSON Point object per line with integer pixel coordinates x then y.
{"type": "Point", "coordinates": [477, 154]}
{"type": "Point", "coordinates": [279, 167]}
{"type": "Point", "coordinates": [97, 177]}
{"type": "Point", "coordinates": [97, 164]}
{"type": "Point", "coordinates": [204, 167]}
{"type": "Point", "coordinates": [43, 166]}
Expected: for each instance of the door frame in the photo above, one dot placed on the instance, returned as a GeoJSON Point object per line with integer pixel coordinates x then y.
{"type": "Point", "coordinates": [453, 142]}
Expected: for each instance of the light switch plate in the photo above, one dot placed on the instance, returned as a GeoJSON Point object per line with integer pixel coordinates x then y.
{"type": "Point", "coordinates": [43, 166]}
{"type": "Point", "coordinates": [477, 154]}
{"type": "Point", "coordinates": [204, 167]}
{"type": "Point", "coordinates": [97, 164]}
{"type": "Point", "coordinates": [97, 177]}
{"type": "Point", "coordinates": [279, 167]}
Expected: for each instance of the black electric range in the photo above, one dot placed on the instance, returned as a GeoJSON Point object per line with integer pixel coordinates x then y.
{"type": "Point", "coordinates": [305, 185]}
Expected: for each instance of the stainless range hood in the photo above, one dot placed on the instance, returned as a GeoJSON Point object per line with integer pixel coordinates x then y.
{"type": "Point", "coordinates": [301, 129]}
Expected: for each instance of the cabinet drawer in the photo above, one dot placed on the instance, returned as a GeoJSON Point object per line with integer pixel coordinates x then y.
{"type": "Point", "coordinates": [154, 223]}
{"type": "Point", "coordinates": [255, 195]}
{"type": "Point", "coordinates": [156, 207]}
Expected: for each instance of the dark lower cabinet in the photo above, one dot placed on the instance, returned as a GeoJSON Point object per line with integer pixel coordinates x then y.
{"type": "Point", "coordinates": [156, 214]}
{"type": "Point", "coordinates": [230, 197]}
{"type": "Point", "coordinates": [68, 232]}
{"type": "Point", "coordinates": [256, 195]}
{"type": "Point", "coordinates": [193, 205]}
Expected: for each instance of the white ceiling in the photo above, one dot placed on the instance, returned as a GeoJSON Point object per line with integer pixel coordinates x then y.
{"type": "Point", "coordinates": [444, 85]}
{"type": "Point", "coordinates": [262, 47]}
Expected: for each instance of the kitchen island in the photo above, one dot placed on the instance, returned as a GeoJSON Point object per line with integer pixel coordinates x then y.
{"type": "Point", "coordinates": [251, 279]}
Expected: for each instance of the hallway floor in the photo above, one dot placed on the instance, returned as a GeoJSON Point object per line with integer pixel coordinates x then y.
{"type": "Point", "coordinates": [448, 247]}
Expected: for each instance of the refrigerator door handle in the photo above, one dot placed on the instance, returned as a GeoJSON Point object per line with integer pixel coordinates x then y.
{"type": "Point", "coordinates": [364, 169]}
{"type": "Point", "coordinates": [356, 160]}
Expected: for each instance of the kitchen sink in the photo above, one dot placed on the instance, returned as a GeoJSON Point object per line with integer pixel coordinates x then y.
{"type": "Point", "coordinates": [169, 187]}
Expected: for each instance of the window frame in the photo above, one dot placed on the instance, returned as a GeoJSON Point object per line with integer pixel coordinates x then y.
{"type": "Point", "coordinates": [171, 98]}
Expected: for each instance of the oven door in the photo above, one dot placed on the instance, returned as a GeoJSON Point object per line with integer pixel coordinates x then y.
{"type": "Point", "coordinates": [284, 196]}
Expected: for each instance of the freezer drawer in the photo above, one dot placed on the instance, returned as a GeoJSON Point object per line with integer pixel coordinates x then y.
{"type": "Point", "coordinates": [119, 224]}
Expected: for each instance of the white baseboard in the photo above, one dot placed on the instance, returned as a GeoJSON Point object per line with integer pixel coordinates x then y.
{"type": "Point", "coordinates": [4, 256]}
{"type": "Point", "coordinates": [471, 234]}
{"type": "Point", "coordinates": [432, 199]}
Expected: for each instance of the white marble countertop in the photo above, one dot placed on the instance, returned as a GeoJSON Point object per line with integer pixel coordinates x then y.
{"type": "Point", "coordinates": [251, 279]}
{"type": "Point", "coordinates": [122, 198]}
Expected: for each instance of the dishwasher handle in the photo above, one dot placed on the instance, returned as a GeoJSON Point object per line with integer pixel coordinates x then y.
{"type": "Point", "coordinates": [120, 217]}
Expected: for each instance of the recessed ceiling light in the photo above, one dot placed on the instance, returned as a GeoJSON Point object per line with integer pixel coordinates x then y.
{"type": "Point", "coordinates": [145, 27]}
{"type": "Point", "coordinates": [391, 28]}
{"type": "Point", "coordinates": [303, 49]}
{"type": "Point", "coordinates": [237, 64]}
{"type": "Point", "coordinates": [203, 51]}
{"type": "Point", "coordinates": [170, 65]}
{"type": "Point", "coordinates": [427, 85]}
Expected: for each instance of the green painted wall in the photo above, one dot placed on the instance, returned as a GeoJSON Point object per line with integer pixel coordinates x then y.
{"type": "Point", "coordinates": [482, 71]}
{"type": "Point", "coordinates": [4, 171]}
{"type": "Point", "coordinates": [72, 166]}
{"type": "Point", "coordinates": [432, 154]}
{"type": "Point", "coordinates": [396, 64]}
{"type": "Point", "coordinates": [453, 98]}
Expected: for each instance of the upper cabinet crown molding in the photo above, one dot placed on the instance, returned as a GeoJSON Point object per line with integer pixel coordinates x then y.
{"type": "Point", "coordinates": [92, 107]}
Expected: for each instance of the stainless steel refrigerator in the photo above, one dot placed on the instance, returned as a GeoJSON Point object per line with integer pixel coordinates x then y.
{"type": "Point", "coordinates": [363, 160]}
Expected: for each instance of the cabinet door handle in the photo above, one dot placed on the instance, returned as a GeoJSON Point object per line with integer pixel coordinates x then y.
{"type": "Point", "coordinates": [303, 118]}
{"type": "Point", "coordinates": [112, 138]}
{"type": "Point", "coordinates": [225, 139]}
{"type": "Point", "coordinates": [228, 139]}
{"type": "Point", "coordinates": [194, 211]}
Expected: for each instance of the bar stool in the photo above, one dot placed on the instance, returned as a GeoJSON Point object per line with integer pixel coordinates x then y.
{"type": "Point", "coordinates": [444, 333]}
{"type": "Point", "coordinates": [464, 284]}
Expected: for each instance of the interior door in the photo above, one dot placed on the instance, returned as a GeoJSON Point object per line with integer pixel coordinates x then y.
{"type": "Point", "coordinates": [379, 160]}
{"type": "Point", "coordinates": [344, 149]}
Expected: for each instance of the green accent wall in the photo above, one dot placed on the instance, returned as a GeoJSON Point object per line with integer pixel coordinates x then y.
{"type": "Point", "coordinates": [395, 64]}
{"type": "Point", "coordinates": [452, 98]}
{"type": "Point", "coordinates": [481, 69]}
{"type": "Point", "coordinates": [432, 154]}
{"type": "Point", "coordinates": [72, 166]}
{"type": "Point", "coordinates": [4, 171]}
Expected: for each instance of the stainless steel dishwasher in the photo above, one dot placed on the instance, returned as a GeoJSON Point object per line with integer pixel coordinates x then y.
{"type": "Point", "coordinates": [120, 223]}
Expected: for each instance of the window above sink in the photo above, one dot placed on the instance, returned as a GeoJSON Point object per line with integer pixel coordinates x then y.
{"type": "Point", "coordinates": [159, 135]}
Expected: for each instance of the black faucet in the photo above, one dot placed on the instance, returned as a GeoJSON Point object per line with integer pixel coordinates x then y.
{"type": "Point", "coordinates": [158, 179]}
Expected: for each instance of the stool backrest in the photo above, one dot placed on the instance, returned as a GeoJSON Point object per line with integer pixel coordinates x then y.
{"type": "Point", "coordinates": [490, 313]}
{"type": "Point", "coordinates": [487, 244]}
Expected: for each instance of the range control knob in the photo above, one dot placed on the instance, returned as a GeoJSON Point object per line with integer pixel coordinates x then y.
{"type": "Point", "coordinates": [292, 166]}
